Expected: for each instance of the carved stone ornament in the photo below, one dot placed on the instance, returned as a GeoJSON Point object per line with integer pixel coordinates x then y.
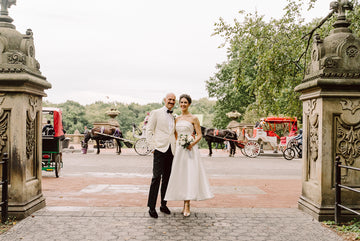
{"type": "Point", "coordinates": [347, 141]}
{"type": "Point", "coordinates": [11, 70]}
{"type": "Point", "coordinates": [330, 63]}
{"type": "Point", "coordinates": [313, 129]}
{"type": "Point", "coordinates": [4, 119]}
{"type": "Point", "coordinates": [311, 106]}
{"type": "Point", "coordinates": [352, 106]}
{"type": "Point", "coordinates": [2, 98]}
{"type": "Point", "coordinates": [16, 58]}
{"type": "Point", "coordinates": [352, 51]}
{"type": "Point", "coordinates": [30, 136]}
{"type": "Point", "coordinates": [29, 32]}
{"type": "Point", "coordinates": [30, 126]}
{"type": "Point", "coordinates": [37, 65]}
{"type": "Point", "coordinates": [33, 101]}
{"type": "Point", "coordinates": [3, 130]}
{"type": "Point", "coordinates": [341, 75]}
{"type": "Point", "coordinates": [27, 44]}
{"type": "Point", "coordinates": [315, 55]}
{"type": "Point", "coordinates": [5, 4]}
{"type": "Point", "coordinates": [31, 51]}
{"type": "Point", "coordinates": [314, 137]}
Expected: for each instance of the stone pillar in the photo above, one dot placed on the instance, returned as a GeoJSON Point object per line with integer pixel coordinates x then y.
{"type": "Point", "coordinates": [331, 118]}
{"type": "Point", "coordinates": [76, 139]}
{"type": "Point", "coordinates": [21, 91]}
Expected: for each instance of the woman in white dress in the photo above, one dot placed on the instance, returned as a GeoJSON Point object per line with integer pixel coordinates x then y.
{"type": "Point", "coordinates": [188, 179]}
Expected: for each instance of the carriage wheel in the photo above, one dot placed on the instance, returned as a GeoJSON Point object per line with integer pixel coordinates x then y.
{"type": "Point", "coordinates": [58, 164]}
{"type": "Point", "coordinates": [243, 151]}
{"type": "Point", "coordinates": [289, 154]}
{"type": "Point", "coordinates": [110, 145]}
{"type": "Point", "coordinates": [291, 142]}
{"type": "Point", "coordinates": [252, 149]}
{"type": "Point", "coordinates": [142, 147]}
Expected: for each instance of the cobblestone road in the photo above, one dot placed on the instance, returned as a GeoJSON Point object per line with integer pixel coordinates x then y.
{"type": "Point", "coordinates": [252, 224]}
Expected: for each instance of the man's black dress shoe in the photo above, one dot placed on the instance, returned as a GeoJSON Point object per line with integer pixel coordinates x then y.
{"type": "Point", "coordinates": [165, 209]}
{"type": "Point", "coordinates": [153, 213]}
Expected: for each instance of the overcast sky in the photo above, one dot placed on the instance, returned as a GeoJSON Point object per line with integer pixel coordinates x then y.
{"type": "Point", "coordinates": [133, 50]}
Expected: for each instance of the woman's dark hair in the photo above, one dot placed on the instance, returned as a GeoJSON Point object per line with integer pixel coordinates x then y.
{"type": "Point", "coordinates": [186, 97]}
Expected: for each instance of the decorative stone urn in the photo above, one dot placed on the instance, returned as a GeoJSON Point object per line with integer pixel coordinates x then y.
{"type": "Point", "coordinates": [112, 122]}
{"type": "Point", "coordinates": [331, 118]}
{"type": "Point", "coordinates": [21, 90]}
{"type": "Point", "coordinates": [233, 124]}
{"type": "Point", "coordinates": [112, 113]}
{"type": "Point", "coordinates": [233, 115]}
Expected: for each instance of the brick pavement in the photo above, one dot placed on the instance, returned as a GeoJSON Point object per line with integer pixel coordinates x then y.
{"type": "Point", "coordinates": [114, 192]}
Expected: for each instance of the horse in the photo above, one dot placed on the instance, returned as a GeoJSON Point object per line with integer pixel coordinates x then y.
{"type": "Point", "coordinates": [219, 136]}
{"type": "Point", "coordinates": [96, 135]}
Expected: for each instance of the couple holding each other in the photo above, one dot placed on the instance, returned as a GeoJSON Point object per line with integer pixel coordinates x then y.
{"type": "Point", "coordinates": [188, 180]}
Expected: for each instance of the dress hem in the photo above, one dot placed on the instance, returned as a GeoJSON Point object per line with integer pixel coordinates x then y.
{"type": "Point", "coordinates": [190, 199]}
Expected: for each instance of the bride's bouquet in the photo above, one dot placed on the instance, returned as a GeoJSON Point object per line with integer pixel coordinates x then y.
{"type": "Point", "coordinates": [185, 140]}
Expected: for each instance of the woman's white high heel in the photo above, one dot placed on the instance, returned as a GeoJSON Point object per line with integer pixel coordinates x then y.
{"type": "Point", "coordinates": [186, 209]}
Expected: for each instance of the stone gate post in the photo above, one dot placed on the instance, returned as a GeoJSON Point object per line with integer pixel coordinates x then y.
{"type": "Point", "coordinates": [21, 91]}
{"type": "Point", "coordinates": [330, 93]}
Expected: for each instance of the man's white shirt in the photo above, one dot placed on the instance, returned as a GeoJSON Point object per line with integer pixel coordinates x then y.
{"type": "Point", "coordinates": [170, 118]}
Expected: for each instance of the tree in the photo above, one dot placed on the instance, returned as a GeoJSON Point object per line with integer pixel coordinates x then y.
{"type": "Point", "coordinates": [263, 64]}
{"type": "Point", "coordinates": [73, 116]}
{"type": "Point", "coordinates": [231, 96]}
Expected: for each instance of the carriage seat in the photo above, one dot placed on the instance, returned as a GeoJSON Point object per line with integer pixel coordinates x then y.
{"type": "Point", "coordinates": [48, 131]}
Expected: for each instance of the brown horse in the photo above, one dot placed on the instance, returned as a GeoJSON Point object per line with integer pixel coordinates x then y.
{"type": "Point", "coordinates": [219, 136]}
{"type": "Point", "coordinates": [108, 134]}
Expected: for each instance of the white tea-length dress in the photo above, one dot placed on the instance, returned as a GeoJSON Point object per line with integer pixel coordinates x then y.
{"type": "Point", "coordinates": [188, 179]}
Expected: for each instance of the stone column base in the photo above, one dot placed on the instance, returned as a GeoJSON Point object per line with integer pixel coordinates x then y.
{"type": "Point", "coordinates": [23, 210]}
{"type": "Point", "coordinates": [325, 213]}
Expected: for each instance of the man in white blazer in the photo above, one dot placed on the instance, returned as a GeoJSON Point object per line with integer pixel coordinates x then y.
{"type": "Point", "coordinates": [160, 133]}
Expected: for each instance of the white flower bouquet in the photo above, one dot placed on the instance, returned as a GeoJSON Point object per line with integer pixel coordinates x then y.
{"type": "Point", "coordinates": [185, 140]}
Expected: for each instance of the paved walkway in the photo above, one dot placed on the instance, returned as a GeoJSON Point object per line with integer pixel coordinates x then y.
{"type": "Point", "coordinates": [255, 199]}
{"type": "Point", "coordinates": [252, 224]}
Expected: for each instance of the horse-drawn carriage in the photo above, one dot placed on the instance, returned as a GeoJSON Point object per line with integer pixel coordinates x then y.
{"type": "Point", "coordinates": [52, 140]}
{"type": "Point", "coordinates": [107, 135]}
{"type": "Point", "coordinates": [248, 148]}
{"type": "Point", "coordinates": [276, 131]}
{"type": "Point", "coordinates": [272, 130]}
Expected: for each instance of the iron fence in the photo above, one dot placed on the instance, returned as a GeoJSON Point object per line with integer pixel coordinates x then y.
{"type": "Point", "coordinates": [338, 187]}
{"type": "Point", "coordinates": [4, 183]}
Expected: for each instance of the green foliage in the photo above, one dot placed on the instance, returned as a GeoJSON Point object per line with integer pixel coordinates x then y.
{"type": "Point", "coordinates": [230, 95]}
{"type": "Point", "coordinates": [96, 112]}
{"type": "Point", "coordinates": [8, 224]}
{"type": "Point", "coordinates": [205, 108]}
{"type": "Point", "coordinates": [349, 227]}
{"type": "Point", "coordinates": [265, 62]}
{"type": "Point", "coordinates": [75, 116]}
{"type": "Point", "coordinates": [354, 17]}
